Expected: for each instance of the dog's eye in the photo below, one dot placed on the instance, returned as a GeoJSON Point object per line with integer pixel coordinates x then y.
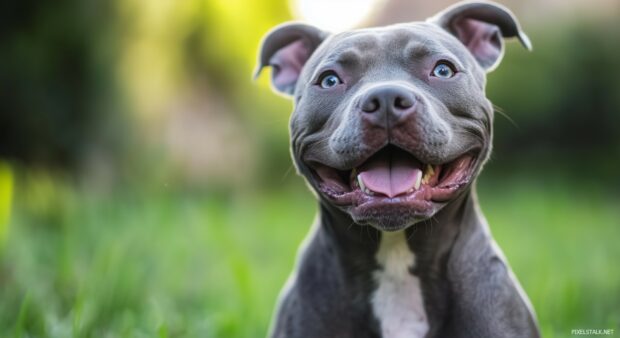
{"type": "Point", "coordinates": [329, 79]}
{"type": "Point", "coordinates": [444, 70]}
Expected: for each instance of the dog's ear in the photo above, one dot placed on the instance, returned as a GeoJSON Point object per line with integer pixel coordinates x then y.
{"type": "Point", "coordinates": [481, 27]}
{"type": "Point", "coordinates": [286, 48]}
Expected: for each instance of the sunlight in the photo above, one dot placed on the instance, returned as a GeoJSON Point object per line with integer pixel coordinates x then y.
{"type": "Point", "coordinates": [334, 15]}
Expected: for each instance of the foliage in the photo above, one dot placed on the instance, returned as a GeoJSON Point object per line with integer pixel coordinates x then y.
{"type": "Point", "coordinates": [6, 195]}
{"type": "Point", "coordinates": [561, 99]}
{"type": "Point", "coordinates": [159, 263]}
{"type": "Point", "coordinates": [57, 89]}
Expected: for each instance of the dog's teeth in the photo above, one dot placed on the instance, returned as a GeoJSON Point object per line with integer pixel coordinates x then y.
{"type": "Point", "coordinates": [429, 170]}
{"type": "Point", "coordinates": [418, 181]}
{"type": "Point", "coordinates": [367, 191]}
{"type": "Point", "coordinates": [428, 173]}
{"type": "Point", "coordinates": [360, 182]}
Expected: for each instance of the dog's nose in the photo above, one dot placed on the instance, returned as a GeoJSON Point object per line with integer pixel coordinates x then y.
{"type": "Point", "coordinates": [387, 101]}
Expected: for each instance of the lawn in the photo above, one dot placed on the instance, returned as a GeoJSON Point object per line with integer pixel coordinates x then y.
{"type": "Point", "coordinates": [161, 262]}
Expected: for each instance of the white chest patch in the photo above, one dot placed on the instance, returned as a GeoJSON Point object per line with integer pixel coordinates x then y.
{"type": "Point", "coordinates": [397, 301]}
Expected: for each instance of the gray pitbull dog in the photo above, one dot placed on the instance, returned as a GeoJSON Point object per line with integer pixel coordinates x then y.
{"type": "Point", "coordinates": [390, 128]}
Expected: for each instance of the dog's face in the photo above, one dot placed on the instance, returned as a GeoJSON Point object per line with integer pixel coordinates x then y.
{"type": "Point", "coordinates": [390, 124]}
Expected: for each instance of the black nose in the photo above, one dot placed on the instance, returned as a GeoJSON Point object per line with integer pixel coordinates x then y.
{"type": "Point", "coordinates": [389, 99]}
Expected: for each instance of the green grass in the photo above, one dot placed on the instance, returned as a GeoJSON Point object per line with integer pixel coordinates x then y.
{"type": "Point", "coordinates": [78, 263]}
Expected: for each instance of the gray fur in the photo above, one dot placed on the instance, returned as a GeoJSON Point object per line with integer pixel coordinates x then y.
{"type": "Point", "coordinates": [467, 286]}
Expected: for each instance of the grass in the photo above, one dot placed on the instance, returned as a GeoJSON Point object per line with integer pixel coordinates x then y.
{"type": "Point", "coordinates": [162, 263]}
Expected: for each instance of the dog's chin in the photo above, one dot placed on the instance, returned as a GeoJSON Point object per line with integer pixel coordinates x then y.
{"type": "Point", "coordinates": [391, 216]}
{"type": "Point", "coordinates": [394, 195]}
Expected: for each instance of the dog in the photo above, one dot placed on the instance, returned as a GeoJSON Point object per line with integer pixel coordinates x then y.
{"type": "Point", "coordinates": [390, 129]}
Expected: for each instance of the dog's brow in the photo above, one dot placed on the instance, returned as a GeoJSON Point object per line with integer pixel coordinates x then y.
{"type": "Point", "coordinates": [421, 50]}
{"type": "Point", "coordinates": [347, 57]}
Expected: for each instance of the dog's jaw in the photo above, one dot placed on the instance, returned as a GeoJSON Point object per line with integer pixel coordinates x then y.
{"type": "Point", "coordinates": [427, 189]}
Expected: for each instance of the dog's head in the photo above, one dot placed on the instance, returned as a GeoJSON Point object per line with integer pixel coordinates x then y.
{"type": "Point", "coordinates": [392, 123]}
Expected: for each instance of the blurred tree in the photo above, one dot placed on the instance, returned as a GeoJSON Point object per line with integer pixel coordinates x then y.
{"type": "Point", "coordinates": [563, 99]}
{"type": "Point", "coordinates": [56, 78]}
{"type": "Point", "coordinates": [187, 68]}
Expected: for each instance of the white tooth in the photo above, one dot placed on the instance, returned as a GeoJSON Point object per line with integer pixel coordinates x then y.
{"type": "Point", "coordinates": [418, 181]}
{"type": "Point", "coordinates": [363, 187]}
{"type": "Point", "coordinates": [360, 182]}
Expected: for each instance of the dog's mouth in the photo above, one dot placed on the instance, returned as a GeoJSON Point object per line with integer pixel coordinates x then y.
{"type": "Point", "coordinates": [393, 176]}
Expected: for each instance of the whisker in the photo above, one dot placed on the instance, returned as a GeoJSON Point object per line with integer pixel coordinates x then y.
{"type": "Point", "coordinates": [368, 233]}
{"type": "Point", "coordinates": [360, 233]}
{"type": "Point", "coordinates": [501, 112]}
{"type": "Point", "coordinates": [287, 173]}
{"type": "Point", "coordinates": [350, 225]}
{"type": "Point", "coordinates": [376, 236]}
{"type": "Point", "coordinates": [413, 231]}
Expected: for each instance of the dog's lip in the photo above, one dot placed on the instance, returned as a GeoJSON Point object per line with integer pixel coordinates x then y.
{"type": "Point", "coordinates": [449, 178]}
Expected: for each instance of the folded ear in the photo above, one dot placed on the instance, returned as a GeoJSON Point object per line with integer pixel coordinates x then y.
{"type": "Point", "coordinates": [286, 48]}
{"type": "Point", "coordinates": [481, 27]}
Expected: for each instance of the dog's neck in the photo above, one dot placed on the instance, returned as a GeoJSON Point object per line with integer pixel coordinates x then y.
{"type": "Point", "coordinates": [426, 238]}
{"type": "Point", "coordinates": [393, 270]}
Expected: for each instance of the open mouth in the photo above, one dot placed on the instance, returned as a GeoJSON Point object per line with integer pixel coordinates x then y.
{"type": "Point", "coordinates": [394, 176]}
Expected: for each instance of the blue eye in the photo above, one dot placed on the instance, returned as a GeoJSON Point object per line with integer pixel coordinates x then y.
{"type": "Point", "coordinates": [443, 70]}
{"type": "Point", "coordinates": [330, 80]}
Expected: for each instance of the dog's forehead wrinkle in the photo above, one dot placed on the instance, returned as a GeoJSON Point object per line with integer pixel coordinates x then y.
{"type": "Point", "coordinates": [347, 56]}
{"type": "Point", "coordinates": [417, 50]}
{"type": "Point", "coordinates": [346, 47]}
{"type": "Point", "coordinates": [403, 42]}
{"type": "Point", "coordinates": [379, 38]}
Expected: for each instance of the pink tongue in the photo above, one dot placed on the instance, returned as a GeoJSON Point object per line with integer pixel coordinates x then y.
{"type": "Point", "coordinates": [390, 175]}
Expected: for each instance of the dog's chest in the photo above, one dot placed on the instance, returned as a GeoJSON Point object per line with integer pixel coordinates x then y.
{"type": "Point", "coordinates": [397, 301]}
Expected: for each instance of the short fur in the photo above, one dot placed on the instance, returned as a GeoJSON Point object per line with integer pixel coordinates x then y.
{"type": "Point", "coordinates": [458, 283]}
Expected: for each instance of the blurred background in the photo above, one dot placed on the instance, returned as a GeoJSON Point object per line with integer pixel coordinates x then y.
{"type": "Point", "coordinates": [146, 187]}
